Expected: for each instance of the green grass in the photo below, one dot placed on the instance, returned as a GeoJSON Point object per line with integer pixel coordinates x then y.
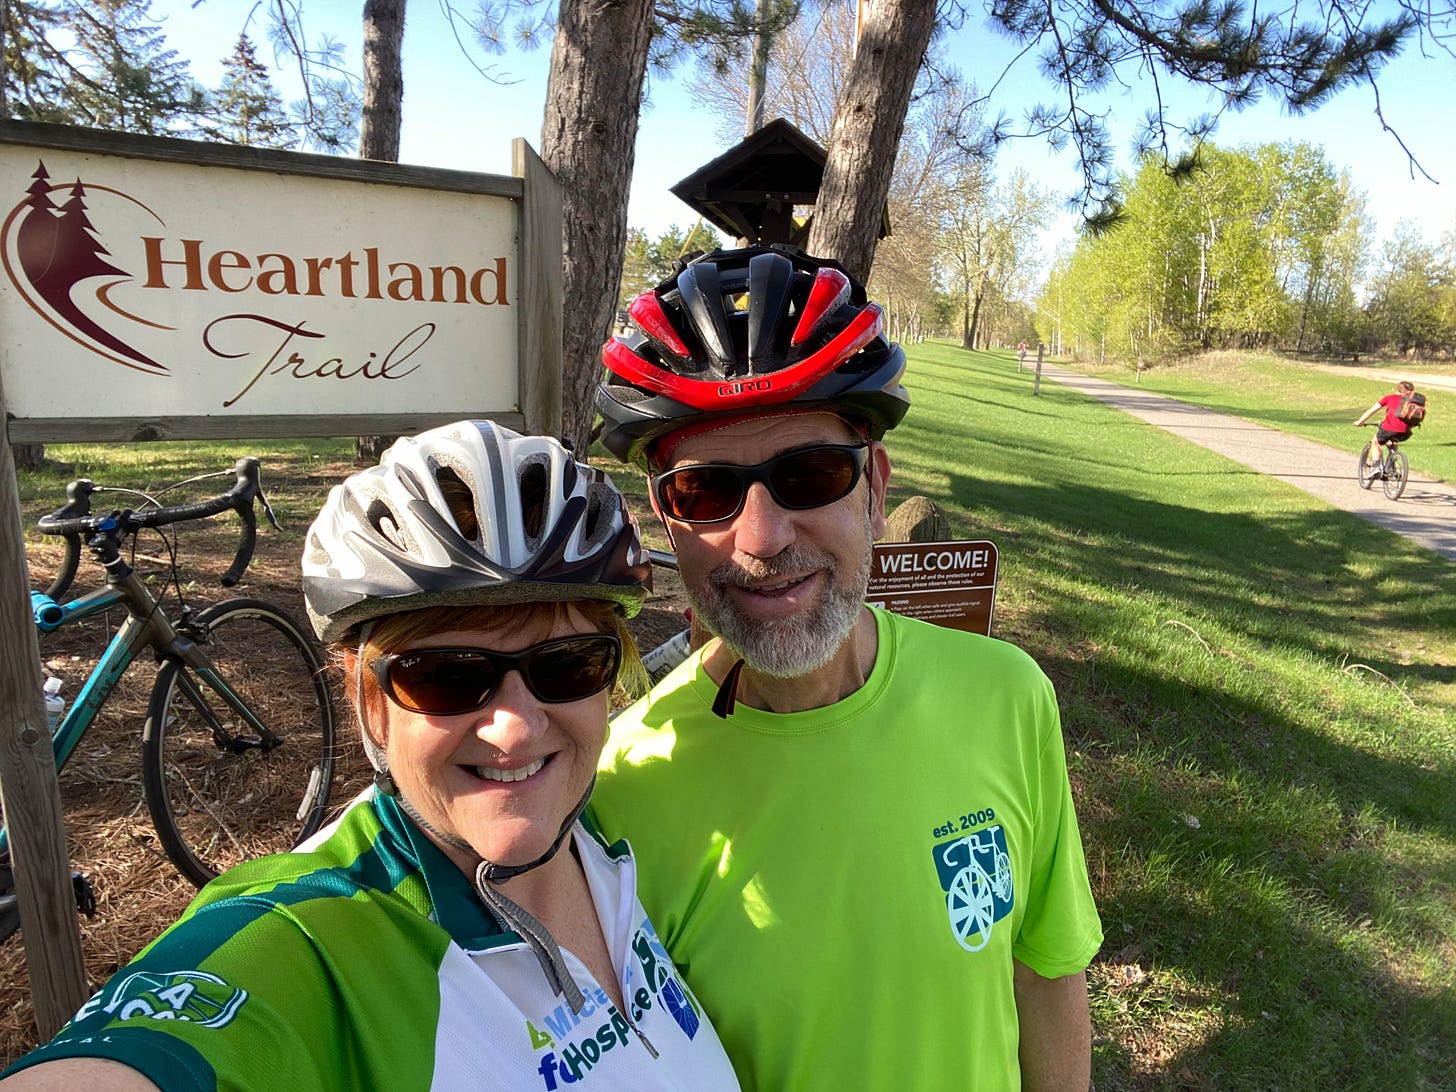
{"type": "Point", "coordinates": [150, 466]}
{"type": "Point", "coordinates": [1305, 400]}
{"type": "Point", "coordinates": [1258, 699]}
{"type": "Point", "coordinates": [1258, 694]}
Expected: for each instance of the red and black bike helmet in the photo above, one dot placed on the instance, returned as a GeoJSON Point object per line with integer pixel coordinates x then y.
{"type": "Point", "coordinates": [738, 331]}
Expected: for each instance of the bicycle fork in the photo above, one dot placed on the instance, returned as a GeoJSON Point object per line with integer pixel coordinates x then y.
{"type": "Point", "coordinates": [193, 664]}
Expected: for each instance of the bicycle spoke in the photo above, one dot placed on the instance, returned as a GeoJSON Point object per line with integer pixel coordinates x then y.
{"type": "Point", "coordinates": [239, 752]}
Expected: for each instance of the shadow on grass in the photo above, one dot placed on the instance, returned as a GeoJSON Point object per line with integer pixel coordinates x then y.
{"type": "Point", "coordinates": [1257, 868]}
{"type": "Point", "coordinates": [1299, 593]}
{"type": "Point", "coordinates": [1248, 901]}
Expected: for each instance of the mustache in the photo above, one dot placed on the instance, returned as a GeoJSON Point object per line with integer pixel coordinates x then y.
{"type": "Point", "coordinates": [793, 560]}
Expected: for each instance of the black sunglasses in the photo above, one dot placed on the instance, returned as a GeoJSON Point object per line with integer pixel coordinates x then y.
{"type": "Point", "coordinates": [807, 477]}
{"type": "Point", "coordinates": [446, 681]}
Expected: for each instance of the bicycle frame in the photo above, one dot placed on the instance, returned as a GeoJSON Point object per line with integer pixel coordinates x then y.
{"type": "Point", "coordinates": [145, 627]}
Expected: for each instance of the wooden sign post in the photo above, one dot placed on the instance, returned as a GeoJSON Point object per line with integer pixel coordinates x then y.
{"type": "Point", "coordinates": [28, 784]}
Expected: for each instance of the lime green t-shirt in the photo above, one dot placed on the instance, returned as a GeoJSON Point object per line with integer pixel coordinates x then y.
{"type": "Point", "coordinates": [846, 888]}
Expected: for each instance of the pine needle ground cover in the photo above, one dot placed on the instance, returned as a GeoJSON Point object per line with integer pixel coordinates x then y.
{"type": "Point", "coordinates": [1258, 695]}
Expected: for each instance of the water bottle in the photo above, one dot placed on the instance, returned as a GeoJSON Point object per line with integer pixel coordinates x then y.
{"type": "Point", "coordinates": [54, 703]}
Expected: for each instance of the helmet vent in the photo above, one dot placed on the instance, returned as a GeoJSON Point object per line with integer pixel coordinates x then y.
{"type": "Point", "coordinates": [381, 517]}
{"type": "Point", "coordinates": [313, 550]}
{"type": "Point", "coordinates": [461, 501]}
{"type": "Point", "coordinates": [596, 523]}
{"type": "Point", "coordinates": [534, 480]}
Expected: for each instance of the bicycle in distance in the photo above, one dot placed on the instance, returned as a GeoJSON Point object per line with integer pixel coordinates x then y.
{"type": "Point", "coordinates": [1383, 463]}
{"type": "Point", "coordinates": [237, 745]}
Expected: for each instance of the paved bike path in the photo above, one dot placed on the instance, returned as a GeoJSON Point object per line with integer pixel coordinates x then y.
{"type": "Point", "coordinates": [1425, 514]}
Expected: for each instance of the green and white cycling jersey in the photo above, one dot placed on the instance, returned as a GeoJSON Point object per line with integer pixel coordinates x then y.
{"type": "Point", "coordinates": [368, 962]}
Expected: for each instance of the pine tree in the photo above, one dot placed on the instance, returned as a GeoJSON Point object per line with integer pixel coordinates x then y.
{"type": "Point", "coordinates": [37, 72]}
{"type": "Point", "coordinates": [134, 82]}
{"type": "Point", "coordinates": [246, 108]}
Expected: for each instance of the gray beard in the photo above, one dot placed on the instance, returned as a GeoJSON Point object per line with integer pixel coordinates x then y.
{"type": "Point", "coordinates": [786, 648]}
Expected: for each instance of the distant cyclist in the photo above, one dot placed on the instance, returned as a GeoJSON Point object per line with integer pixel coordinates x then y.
{"type": "Point", "coordinates": [1393, 427]}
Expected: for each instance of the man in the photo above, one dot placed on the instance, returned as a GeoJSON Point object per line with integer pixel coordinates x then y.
{"type": "Point", "coordinates": [855, 830]}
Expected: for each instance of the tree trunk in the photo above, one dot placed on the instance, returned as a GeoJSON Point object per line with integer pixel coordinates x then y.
{"type": "Point", "coordinates": [974, 330]}
{"type": "Point", "coordinates": [588, 137]}
{"type": "Point", "coordinates": [966, 342]}
{"type": "Point", "coordinates": [975, 318]}
{"type": "Point", "coordinates": [379, 123]}
{"type": "Point", "coordinates": [27, 456]}
{"type": "Point", "coordinates": [866, 132]}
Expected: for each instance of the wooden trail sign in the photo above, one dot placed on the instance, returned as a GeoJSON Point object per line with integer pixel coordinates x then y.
{"type": "Point", "coordinates": [950, 583]}
{"type": "Point", "coordinates": [169, 289]}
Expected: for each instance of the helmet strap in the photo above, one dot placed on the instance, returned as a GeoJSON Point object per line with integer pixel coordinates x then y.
{"type": "Point", "coordinates": [728, 692]}
{"type": "Point", "coordinates": [372, 750]}
{"type": "Point", "coordinates": [538, 938]}
{"type": "Point", "coordinates": [420, 821]}
{"type": "Point", "coordinates": [513, 916]}
{"type": "Point", "coordinates": [494, 873]}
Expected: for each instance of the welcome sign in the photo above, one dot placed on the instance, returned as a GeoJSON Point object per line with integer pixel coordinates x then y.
{"type": "Point", "coordinates": [950, 583]}
{"type": "Point", "coordinates": [250, 293]}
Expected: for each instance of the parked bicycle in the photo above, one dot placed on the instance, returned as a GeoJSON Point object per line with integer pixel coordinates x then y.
{"type": "Point", "coordinates": [238, 744]}
{"type": "Point", "coordinates": [1385, 464]}
{"type": "Point", "coordinates": [659, 662]}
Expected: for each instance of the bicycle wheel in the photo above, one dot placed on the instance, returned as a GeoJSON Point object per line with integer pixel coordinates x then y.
{"type": "Point", "coordinates": [1396, 471]}
{"type": "Point", "coordinates": [1367, 471]}
{"type": "Point", "coordinates": [219, 790]}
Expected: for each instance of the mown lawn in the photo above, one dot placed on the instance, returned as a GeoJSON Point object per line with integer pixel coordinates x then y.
{"type": "Point", "coordinates": [1258, 694]}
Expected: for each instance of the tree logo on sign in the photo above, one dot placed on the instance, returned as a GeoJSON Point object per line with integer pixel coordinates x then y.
{"type": "Point", "coordinates": [54, 256]}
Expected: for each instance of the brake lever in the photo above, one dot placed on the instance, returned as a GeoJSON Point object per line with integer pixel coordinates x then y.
{"type": "Point", "coordinates": [268, 510]}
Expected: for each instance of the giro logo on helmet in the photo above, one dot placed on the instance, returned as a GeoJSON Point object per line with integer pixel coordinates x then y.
{"type": "Point", "coordinates": [732, 390]}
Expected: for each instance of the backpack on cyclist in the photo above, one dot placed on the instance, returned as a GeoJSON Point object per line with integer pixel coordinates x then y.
{"type": "Point", "coordinates": [1412, 409]}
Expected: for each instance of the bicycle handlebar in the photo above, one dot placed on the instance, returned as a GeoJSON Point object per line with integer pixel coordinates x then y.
{"type": "Point", "coordinates": [662, 559]}
{"type": "Point", "coordinates": [78, 501]}
{"type": "Point", "coordinates": [74, 519]}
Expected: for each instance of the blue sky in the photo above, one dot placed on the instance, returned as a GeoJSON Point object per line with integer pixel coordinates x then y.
{"type": "Point", "coordinates": [453, 117]}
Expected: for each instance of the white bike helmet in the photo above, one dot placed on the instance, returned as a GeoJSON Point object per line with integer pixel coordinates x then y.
{"type": "Point", "coordinates": [470, 513]}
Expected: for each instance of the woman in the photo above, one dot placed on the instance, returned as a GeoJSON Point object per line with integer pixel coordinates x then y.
{"type": "Point", "coordinates": [459, 926]}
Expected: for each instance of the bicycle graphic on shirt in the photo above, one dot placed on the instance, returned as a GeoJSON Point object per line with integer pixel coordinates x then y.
{"type": "Point", "coordinates": [975, 874]}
